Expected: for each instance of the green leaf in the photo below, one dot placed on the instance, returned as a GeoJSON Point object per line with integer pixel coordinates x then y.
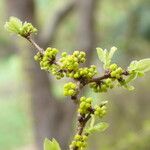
{"type": "Point", "coordinates": [133, 66]}
{"type": "Point", "coordinates": [128, 87]}
{"type": "Point", "coordinates": [140, 66]}
{"type": "Point", "coordinates": [140, 74]}
{"type": "Point", "coordinates": [144, 65]}
{"type": "Point", "coordinates": [98, 128]}
{"type": "Point", "coordinates": [106, 56]}
{"type": "Point", "coordinates": [107, 59]}
{"type": "Point", "coordinates": [101, 54]}
{"type": "Point", "coordinates": [13, 25]}
{"type": "Point", "coordinates": [92, 121]}
{"type": "Point", "coordinates": [137, 69]}
{"type": "Point", "coordinates": [112, 51]}
{"type": "Point", "coordinates": [47, 144]}
{"type": "Point", "coordinates": [51, 145]}
{"type": "Point", "coordinates": [133, 75]}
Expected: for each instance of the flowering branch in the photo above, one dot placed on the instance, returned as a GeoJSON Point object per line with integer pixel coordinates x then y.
{"type": "Point", "coordinates": [69, 66]}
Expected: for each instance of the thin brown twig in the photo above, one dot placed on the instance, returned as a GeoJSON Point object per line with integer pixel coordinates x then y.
{"type": "Point", "coordinates": [105, 76]}
{"type": "Point", "coordinates": [97, 79]}
{"type": "Point", "coordinates": [41, 50]}
{"type": "Point", "coordinates": [83, 121]}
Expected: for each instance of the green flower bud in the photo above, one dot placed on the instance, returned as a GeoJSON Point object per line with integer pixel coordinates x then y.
{"type": "Point", "coordinates": [119, 70]}
{"type": "Point", "coordinates": [85, 104]}
{"type": "Point", "coordinates": [36, 58]}
{"type": "Point", "coordinates": [100, 111]}
{"type": "Point", "coordinates": [89, 100]}
{"type": "Point", "coordinates": [118, 76]}
{"type": "Point", "coordinates": [70, 92]}
{"type": "Point", "coordinates": [83, 98]}
{"type": "Point", "coordinates": [70, 89]}
{"type": "Point", "coordinates": [77, 137]}
{"type": "Point", "coordinates": [113, 67]}
{"type": "Point", "coordinates": [113, 74]}
{"type": "Point", "coordinates": [76, 53]}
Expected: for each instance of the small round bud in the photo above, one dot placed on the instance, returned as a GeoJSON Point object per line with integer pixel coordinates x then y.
{"type": "Point", "coordinates": [70, 89]}
{"type": "Point", "coordinates": [113, 67]}
{"type": "Point", "coordinates": [64, 54]}
{"type": "Point", "coordinates": [119, 70]}
{"type": "Point", "coordinates": [113, 74]}
{"type": "Point", "coordinates": [36, 58]}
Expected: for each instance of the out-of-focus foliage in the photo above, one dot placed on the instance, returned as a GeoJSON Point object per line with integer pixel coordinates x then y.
{"type": "Point", "coordinates": [135, 140]}
{"type": "Point", "coordinates": [15, 123]}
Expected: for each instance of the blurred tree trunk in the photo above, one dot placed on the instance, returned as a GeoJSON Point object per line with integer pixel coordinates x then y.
{"type": "Point", "coordinates": [85, 31]}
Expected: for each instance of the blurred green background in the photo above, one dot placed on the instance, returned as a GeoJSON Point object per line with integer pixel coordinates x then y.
{"type": "Point", "coordinates": [32, 105]}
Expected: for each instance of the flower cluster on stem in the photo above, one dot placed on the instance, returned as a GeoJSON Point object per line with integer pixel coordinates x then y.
{"type": "Point", "coordinates": [69, 65]}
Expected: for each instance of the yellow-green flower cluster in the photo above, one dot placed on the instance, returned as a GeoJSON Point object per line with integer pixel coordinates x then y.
{"type": "Point", "coordinates": [55, 70]}
{"type": "Point", "coordinates": [70, 89]}
{"type": "Point", "coordinates": [38, 57]}
{"type": "Point", "coordinates": [48, 58]}
{"type": "Point", "coordinates": [80, 141]}
{"type": "Point", "coordinates": [47, 62]}
{"type": "Point", "coordinates": [102, 86]}
{"type": "Point", "coordinates": [84, 73]}
{"type": "Point", "coordinates": [85, 105]}
{"type": "Point", "coordinates": [27, 29]}
{"type": "Point", "coordinates": [80, 55]}
{"type": "Point", "coordinates": [116, 72]}
{"type": "Point", "coordinates": [71, 62]}
{"type": "Point", "coordinates": [68, 65]}
{"type": "Point", "coordinates": [100, 111]}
